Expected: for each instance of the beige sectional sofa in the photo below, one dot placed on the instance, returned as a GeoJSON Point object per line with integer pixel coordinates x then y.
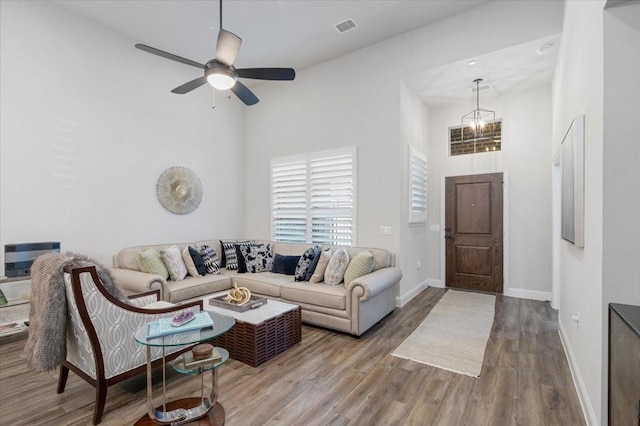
{"type": "Point", "coordinates": [353, 308]}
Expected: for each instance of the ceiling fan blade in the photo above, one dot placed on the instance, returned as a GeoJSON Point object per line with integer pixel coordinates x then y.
{"type": "Point", "coordinates": [187, 87]}
{"type": "Point", "coordinates": [169, 55]}
{"type": "Point", "coordinates": [267, 73]}
{"type": "Point", "coordinates": [244, 94]}
{"type": "Point", "coordinates": [227, 47]}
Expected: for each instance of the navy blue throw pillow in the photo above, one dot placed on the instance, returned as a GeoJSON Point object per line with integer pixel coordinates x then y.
{"type": "Point", "coordinates": [285, 264]}
{"type": "Point", "coordinates": [197, 260]}
{"type": "Point", "coordinates": [312, 266]}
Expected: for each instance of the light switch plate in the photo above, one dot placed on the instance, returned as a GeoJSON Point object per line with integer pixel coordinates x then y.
{"type": "Point", "coordinates": [385, 230]}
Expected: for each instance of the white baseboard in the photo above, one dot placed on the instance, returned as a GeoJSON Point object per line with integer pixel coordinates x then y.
{"type": "Point", "coordinates": [590, 417]}
{"type": "Point", "coordinates": [522, 293]}
{"type": "Point", "coordinates": [435, 283]}
{"type": "Point", "coordinates": [406, 298]}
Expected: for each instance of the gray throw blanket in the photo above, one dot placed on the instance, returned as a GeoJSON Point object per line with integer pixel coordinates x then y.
{"type": "Point", "coordinates": [46, 343]}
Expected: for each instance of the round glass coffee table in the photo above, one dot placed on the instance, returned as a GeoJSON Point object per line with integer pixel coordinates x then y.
{"type": "Point", "coordinates": [186, 410]}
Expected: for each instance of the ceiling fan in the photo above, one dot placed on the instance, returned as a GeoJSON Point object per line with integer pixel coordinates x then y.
{"type": "Point", "coordinates": [220, 72]}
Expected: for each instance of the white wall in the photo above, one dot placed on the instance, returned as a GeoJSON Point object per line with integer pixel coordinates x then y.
{"type": "Point", "coordinates": [621, 172]}
{"type": "Point", "coordinates": [88, 123]}
{"type": "Point", "coordinates": [526, 141]}
{"type": "Point", "coordinates": [414, 129]}
{"type": "Point", "coordinates": [356, 100]}
{"type": "Point", "coordinates": [578, 89]}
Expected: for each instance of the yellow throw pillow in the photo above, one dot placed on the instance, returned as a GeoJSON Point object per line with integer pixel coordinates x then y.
{"type": "Point", "coordinates": [150, 262]}
{"type": "Point", "coordinates": [362, 264]}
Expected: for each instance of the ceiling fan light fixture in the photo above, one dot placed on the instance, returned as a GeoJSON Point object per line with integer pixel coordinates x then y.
{"type": "Point", "coordinates": [221, 77]}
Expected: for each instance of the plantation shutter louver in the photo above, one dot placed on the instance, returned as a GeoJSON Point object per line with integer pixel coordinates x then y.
{"type": "Point", "coordinates": [331, 190]}
{"type": "Point", "coordinates": [289, 202]}
{"type": "Point", "coordinates": [313, 198]}
{"type": "Point", "coordinates": [417, 187]}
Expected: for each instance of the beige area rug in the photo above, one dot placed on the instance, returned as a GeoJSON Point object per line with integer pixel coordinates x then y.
{"type": "Point", "coordinates": [454, 335]}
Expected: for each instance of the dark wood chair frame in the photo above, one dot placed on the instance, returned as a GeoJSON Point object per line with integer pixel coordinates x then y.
{"type": "Point", "coordinates": [101, 383]}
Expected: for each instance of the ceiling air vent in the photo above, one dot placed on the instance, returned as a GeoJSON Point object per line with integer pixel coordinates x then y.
{"type": "Point", "coordinates": [346, 26]}
{"type": "Point", "coordinates": [482, 88]}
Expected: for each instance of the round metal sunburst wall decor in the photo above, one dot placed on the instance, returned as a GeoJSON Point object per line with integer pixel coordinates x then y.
{"type": "Point", "coordinates": [179, 190]}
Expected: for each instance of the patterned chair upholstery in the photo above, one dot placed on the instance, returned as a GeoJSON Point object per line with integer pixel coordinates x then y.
{"type": "Point", "coordinates": [101, 347]}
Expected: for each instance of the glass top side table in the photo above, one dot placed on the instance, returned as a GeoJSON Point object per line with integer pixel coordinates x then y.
{"type": "Point", "coordinates": [182, 411]}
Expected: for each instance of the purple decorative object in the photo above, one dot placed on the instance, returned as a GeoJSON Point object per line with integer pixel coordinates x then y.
{"type": "Point", "coordinates": [182, 318]}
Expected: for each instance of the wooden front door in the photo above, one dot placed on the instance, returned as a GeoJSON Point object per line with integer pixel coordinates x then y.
{"type": "Point", "coordinates": [473, 232]}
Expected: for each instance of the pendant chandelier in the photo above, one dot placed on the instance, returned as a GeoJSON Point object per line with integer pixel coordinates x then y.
{"type": "Point", "coordinates": [477, 119]}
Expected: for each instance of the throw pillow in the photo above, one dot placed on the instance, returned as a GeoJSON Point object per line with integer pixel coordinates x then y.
{"type": "Point", "coordinates": [197, 260]}
{"type": "Point", "coordinates": [360, 265]}
{"type": "Point", "coordinates": [336, 267]}
{"type": "Point", "coordinates": [210, 259]}
{"type": "Point", "coordinates": [285, 264]}
{"type": "Point", "coordinates": [223, 255]}
{"type": "Point", "coordinates": [318, 273]}
{"type": "Point", "coordinates": [257, 258]}
{"type": "Point", "coordinates": [150, 262]}
{"type": "Point", "coordinates": [231, 257]}
{"type": "Point", "coordinates": [313, 265]}
{"type": "Point", "coordinates": [304, 262]}
{"type": "Point", "coordinates": [188, 262]}
{"type": "Point", "coordinates": [172, 259]}
{"type": "Point", "coordinates": [242, 265]}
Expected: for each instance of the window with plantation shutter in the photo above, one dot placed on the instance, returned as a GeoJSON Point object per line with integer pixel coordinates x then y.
{"type": "Point", "coordinates": [313, 197]}
{"type": "Point", "coordinates": [289, 201]}
{"type": "Point", "coordinates": [417, 186]}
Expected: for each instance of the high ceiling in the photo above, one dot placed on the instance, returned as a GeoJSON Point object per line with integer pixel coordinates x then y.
{"type": "Point", "coordinates": [291, 33]}
{"type": "Point", "coordinates": [301, 33]}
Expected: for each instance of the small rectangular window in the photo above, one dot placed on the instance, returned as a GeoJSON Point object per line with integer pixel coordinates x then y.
{"type": "Point", "coordinates": [490, 141]}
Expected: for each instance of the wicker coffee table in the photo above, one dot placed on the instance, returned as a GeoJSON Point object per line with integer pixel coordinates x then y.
{"type": "Point", "coordinates": [259, 334]}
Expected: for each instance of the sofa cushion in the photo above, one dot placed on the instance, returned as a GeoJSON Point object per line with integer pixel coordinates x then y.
{"type": "Point", "coordinates": [305, 262]}
{"type": "Point", "coordinates": [382, 257]}
{"type": "Point", "coordinates": [362, 264]}
{"type": "Point", "coordinates": [210, 259]}
{"type": "Point", "coordinates": [319, 295]}
{"type": "Point", "coordinates": [192, 287]}
{"type": "Point", "coordinates": [172, 259]}
{"type": "Point", "coordinates": [285, 264]}
{"type": "Point", "coordinates": [198, 261]}
{"type": "Point", "coordinates": [265, 283]}
{"type": "Point", "coordinates": [318, 273]}
{"type": "Point", "coordinates": [257, 258]}
{"type": "Point", "coordinates": [149, 261]}
{"type": "Point", "coordinates": [336, 267]}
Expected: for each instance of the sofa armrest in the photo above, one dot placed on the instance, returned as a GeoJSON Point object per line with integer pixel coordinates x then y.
{"type": "Point", "coordinates": [139, 282]}
{"type": "Point", "coordinates": [376, 282]}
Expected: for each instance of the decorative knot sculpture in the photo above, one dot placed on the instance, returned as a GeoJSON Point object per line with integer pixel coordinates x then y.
{"type": "Point", "coordinates": [238, 295]}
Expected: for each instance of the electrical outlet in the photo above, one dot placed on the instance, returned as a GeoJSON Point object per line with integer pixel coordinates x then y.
{"type": "Point", "coordinates": [418, 264]}
{"type": "Point", "coordinates": [385, 230]}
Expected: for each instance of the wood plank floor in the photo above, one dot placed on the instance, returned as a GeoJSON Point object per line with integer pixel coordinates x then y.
{"type": "Point", "coordinates": [335, 379]}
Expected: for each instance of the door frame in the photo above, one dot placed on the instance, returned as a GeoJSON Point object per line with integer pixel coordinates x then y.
{"type": "Point", "coordinates": [506, 289]}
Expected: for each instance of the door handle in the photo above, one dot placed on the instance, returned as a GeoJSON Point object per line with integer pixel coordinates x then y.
{"type": "Point", "coordinates": [448, 237]}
